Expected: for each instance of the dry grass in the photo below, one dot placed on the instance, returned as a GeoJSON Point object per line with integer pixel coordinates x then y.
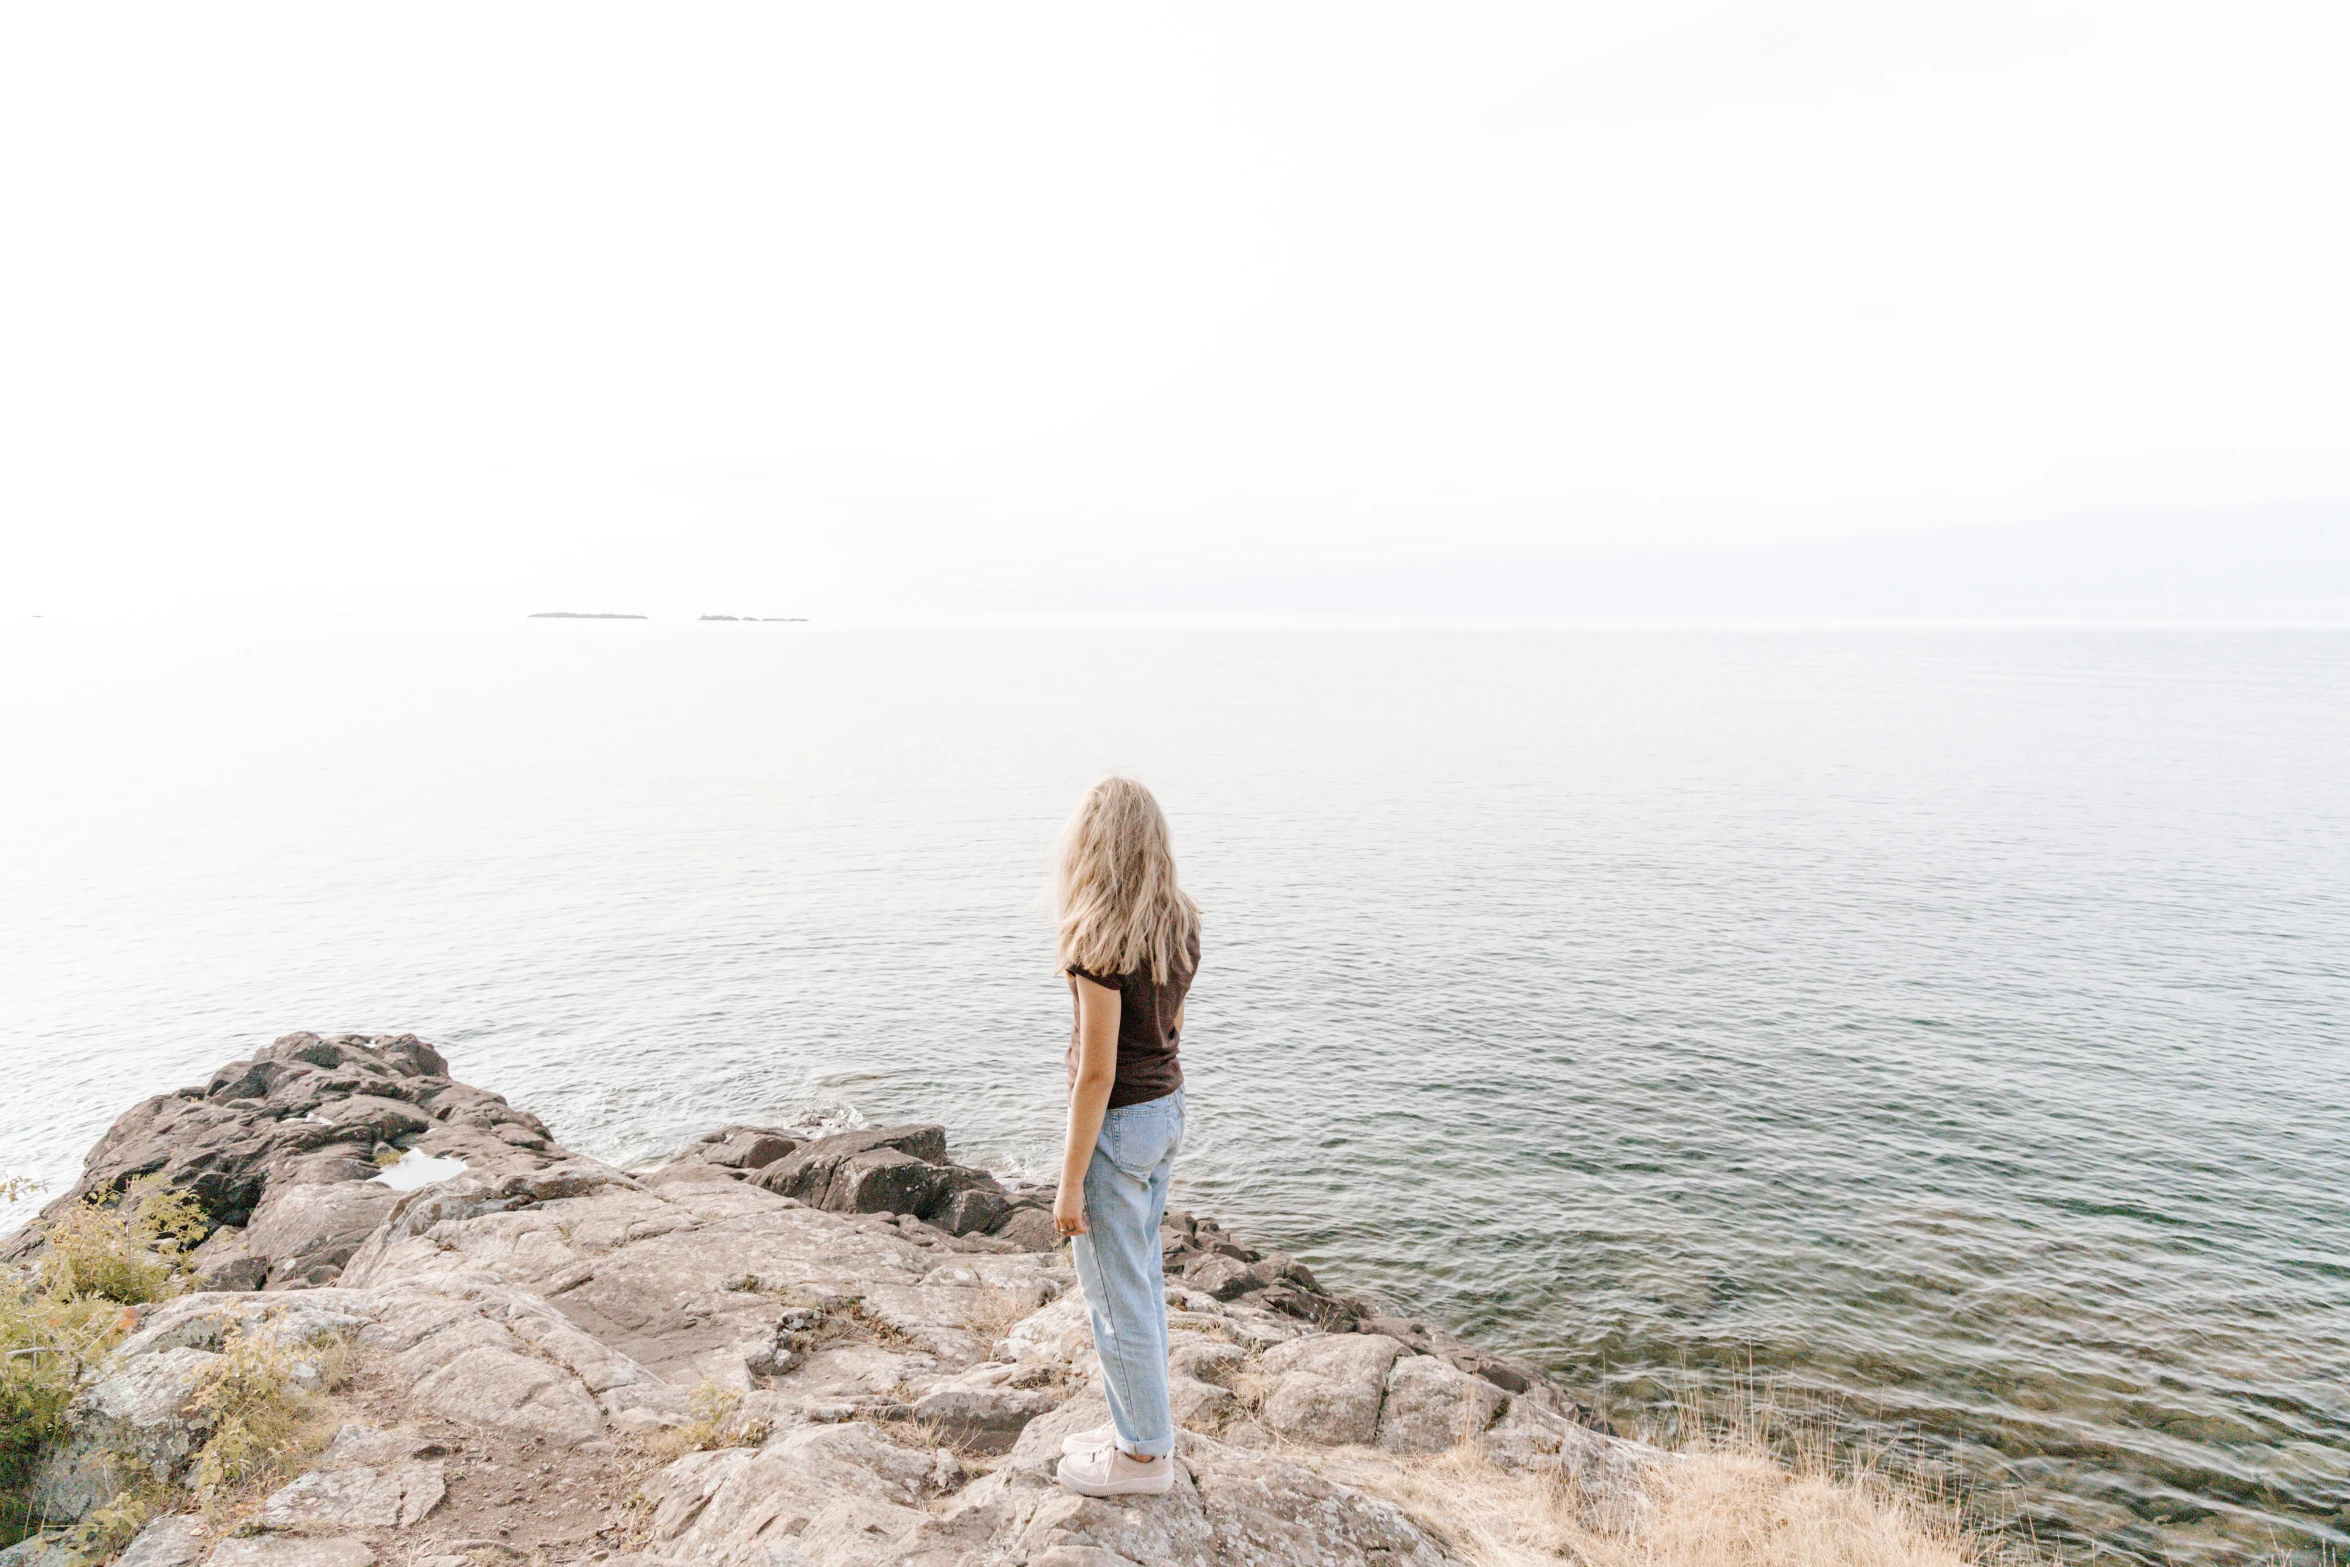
{"type": "Point", "coordinates": [263, 1433]}
{"type": "Point", "coordinates": [996, 1312]}
{"type": "Point", "coordinates": [1742, 1492]}
{"type": "Point", "coordinates": [1717, 1507]}
{"type": "Point", "coordinates": [852, 1320]}
{"type": "Point", "coordinates": [924, 1435]}
{"type": "Point", "coordinates": [717, 1422]}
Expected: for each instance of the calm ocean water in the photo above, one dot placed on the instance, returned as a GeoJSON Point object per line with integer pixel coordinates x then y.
{"type": "Point", "coordinates": [1950, 1024]}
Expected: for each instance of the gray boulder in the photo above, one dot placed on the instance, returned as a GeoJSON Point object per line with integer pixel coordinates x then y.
{"type": "Point", "coordinates": [367, 1479]}
{"type": "Point", "coordinates": [1330, 1386]}
{"type": "Point", "coordinates": [975, 1210]}
{"type": "Point", "coordinates": [745, 1147]}
{"type": "Point", "coordinates": [824, 1491]}
{"type": "Point", "coordinates": [892, 1169]}
{"type": "Point", "coordinates": [1606, 1475]}
{"type": "Point", "coordinates": [1230, 1505]}
{"type": "Point", "coordinates": [225, 1262]}
{"type": "Point", "coordinates": [1514, 1376]}
{"type": "Point", "coordinates": [301, 1232]}
{"type": "Point", "coordinates": [1431, 1405]}
{"type": "Point", "coordinates": [174, 1540]}
{"type": "Point", "coordinates": [1205, 1258]}
{"type": "Point", "coordinates": [1029, 1227]}
{"type": "Point", "coordinates": [982, 1420]}
{"type": "Point", "coordinates": [41, 1550]}
{"type": "Point", "coordinates": [488, 1385]}
{"type": "Point", "coordinates": [133, 1424]}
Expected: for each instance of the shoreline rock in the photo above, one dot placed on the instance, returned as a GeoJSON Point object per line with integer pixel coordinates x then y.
{"type": "Point", "coordinates": [874, 1350]}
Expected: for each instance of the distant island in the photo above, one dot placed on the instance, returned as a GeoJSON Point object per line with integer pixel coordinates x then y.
{"type": "Point", "coordinates": [578, 614]}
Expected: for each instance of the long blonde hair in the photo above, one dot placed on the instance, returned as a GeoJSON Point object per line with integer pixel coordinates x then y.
{"type": "Point", "coordinates": [1114, 886]}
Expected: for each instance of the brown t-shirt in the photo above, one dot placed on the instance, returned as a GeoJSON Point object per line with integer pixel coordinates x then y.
{"type": "Point", "coordinates": [1147, 1038]}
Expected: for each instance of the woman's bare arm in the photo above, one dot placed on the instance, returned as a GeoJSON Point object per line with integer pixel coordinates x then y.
{"type": "Point", "coordinates": [1089, 1096]}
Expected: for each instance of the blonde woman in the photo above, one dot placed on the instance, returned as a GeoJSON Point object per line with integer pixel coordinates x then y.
{"type": "Point", "coordinates": [1129, 945]}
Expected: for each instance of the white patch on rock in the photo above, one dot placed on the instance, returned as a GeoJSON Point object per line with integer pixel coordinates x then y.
{"type": "Point", "coordinates": [416, 1168]}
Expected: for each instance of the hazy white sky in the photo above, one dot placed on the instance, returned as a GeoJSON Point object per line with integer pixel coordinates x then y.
{"type": "Point", "coordinates": [775, 309]}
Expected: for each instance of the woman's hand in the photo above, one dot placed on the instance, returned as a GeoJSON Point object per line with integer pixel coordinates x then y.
{"type": "Point", "coordinates": [1069, 1210]}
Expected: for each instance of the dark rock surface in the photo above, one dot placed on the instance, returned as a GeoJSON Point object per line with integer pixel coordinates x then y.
{"type": "Point", "coordinates": [740, 1147]}
{"type": "Point", "coordinates": [1199, 1254]}
{"type": "Point", "coordinates": [891, 1169]}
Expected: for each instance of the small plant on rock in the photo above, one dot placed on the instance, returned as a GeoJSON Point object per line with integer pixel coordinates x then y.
{"type": "Point", "coordinates": [262, 1427]}
{"type": "Point", "coordinates": [716, 1422]}
{"type": "Point", "coordinates": [102, 1534]}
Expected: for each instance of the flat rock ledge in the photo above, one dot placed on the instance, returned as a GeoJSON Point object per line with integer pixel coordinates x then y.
{"type": "Point", "coordinates": [873, 1351]}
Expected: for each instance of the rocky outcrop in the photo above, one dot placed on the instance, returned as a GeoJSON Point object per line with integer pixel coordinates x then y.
{"type": "Point", "coordinates": [288, 1144]}
{"type": "Point", "coordinates": [871, 1383]}
{"type": "Point", "coordinates": [283, 1152]}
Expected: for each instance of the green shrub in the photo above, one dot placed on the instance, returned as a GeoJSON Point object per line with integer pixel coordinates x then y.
{"type": "Point", "coordinates": [45, 1346]}
{"type": "Point", "coordinates": [102, 1534]}
{"type": "Point", "coordinates": [123, 1248]}
{"type": "Point", "coordinates": [102, 1257]}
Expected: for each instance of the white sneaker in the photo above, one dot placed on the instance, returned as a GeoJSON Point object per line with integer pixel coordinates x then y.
{"type": "Point", "coordinates": [1103, 1435]}
{"type": "Point", "coordinates": [1105, 1471]}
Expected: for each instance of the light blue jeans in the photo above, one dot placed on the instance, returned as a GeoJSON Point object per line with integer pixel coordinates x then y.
{"type": "Point", "coordinates": [1118, 1262]}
